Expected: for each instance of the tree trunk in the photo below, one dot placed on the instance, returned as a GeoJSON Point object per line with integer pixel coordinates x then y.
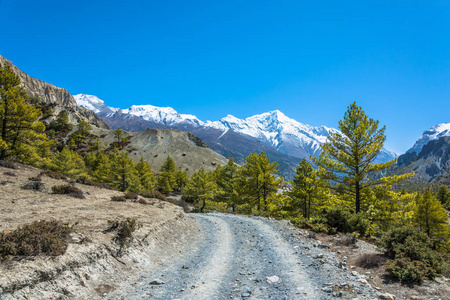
{"type": "Point", "coordinates": [358, 198]}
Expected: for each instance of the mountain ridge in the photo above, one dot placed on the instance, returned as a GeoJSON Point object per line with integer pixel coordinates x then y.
{"type": "Point", "coordinates": [273, 129]}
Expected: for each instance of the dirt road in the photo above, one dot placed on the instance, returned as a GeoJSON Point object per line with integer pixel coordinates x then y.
{"type": "Point", "coordinates": [251, 258]}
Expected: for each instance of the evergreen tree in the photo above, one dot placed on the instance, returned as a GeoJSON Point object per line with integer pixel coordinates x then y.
{"type": "Point", "coordinates": [101, 165]}
{"type": "Point", "coordinates": [304, 188]}
{"type": "Point", "coordinates": [166, 178]}
{"type": "Point", "coordinates": [228, 185]}
{"type": "Point", "coordinates": [348, 156]}
{"type": "Point", "coordinates": [125, 177]}
{"type": "Point", "coordinates": [181, 179]}
{"type": "Point", "coordinates": [443, 195]}
{"type": "Point", "coordinates": [21, 134]}
{"type": "Point", "coordinates": [258, 179]}
{"type": "Point", "coordinates": [67, 163]}
{"type": "Point", "coordinates": [431, 217]}
{"type": "Point", "coordinates": [146, 176]}
{"type": "Point", "coordinates": [200, 187]}
{"type": "Point", "coordinates": [119, 139]}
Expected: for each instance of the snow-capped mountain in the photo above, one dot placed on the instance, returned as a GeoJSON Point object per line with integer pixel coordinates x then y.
{"type": "Point", "coordinates": [93, 103]}
{"type": "Point", "coordinates": [273, 129]}
{"type": "Point", "coordinates": [434, 133]}
{"type": "Point", "coordinates": [278, 131]}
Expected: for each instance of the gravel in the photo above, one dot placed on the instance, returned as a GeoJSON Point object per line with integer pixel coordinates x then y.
{"type": "Point", "coordinates": [247, 257]}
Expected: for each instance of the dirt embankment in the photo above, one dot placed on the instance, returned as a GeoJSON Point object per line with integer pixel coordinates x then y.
{"type": "Point", "coordinates": [92, 267]}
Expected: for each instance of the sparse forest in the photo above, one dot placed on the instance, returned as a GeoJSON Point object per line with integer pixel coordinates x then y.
{"type": "Point", "coordinates": [342, 190]}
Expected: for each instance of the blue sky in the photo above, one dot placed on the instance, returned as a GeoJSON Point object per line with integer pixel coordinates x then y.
{"type": "Point", "coordinates": [309, 59]}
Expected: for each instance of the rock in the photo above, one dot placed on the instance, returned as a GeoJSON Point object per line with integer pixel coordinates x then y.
{"type": "Point", "coordinates": [156, 282]}
{"type": "Point", "coordinates": [386, 296]}
{"type": "Point", "coordinates": [354, 273]}
{"type": "Point", "coordinates": [34, 186]}
{"type": "Point", "coordinates": [273, 279]}
{"type": "Point", "coordinates": [245, 295]}
{"type": "Point", "coordinates": [327, 289]}
{"type": "Point", "coordinates": [185, 267]}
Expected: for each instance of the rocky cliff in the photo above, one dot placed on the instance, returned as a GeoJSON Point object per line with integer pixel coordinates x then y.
{"type": "Point", "coordinates": [58, 98]}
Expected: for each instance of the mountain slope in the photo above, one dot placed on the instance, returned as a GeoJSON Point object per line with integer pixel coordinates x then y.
{"type": "Point", "coordinates": [273, 129]}
{"type": "Point", "coordinates": [434, 133]}
{"type": "Point", "coordinates": [433, 160]}
{"type": "Point", "coordinates": [57, 98]}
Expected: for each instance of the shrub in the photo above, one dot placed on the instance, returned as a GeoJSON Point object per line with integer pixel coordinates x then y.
{"type": "Point", "coordinates": [86, 181]}
{"type": "Point", "coordinates": [407, 270]}
{"type": "Point", "coordinates": [345, 221]}
{"type": "Point", "coordinates": [10, 174]}
{"type": "Point", "coordinates": [154, 194]}
{"type": "Point", "coordinates": [7, 164]}
{"type": "Point", "coordinates": [347, 239]}
{"type": "Point", "coordinates": [68, 189]}
{"type": "Point", "coordinates": [142, 201]}
{"type": "Point", "coordinates": [54, 175]}
{"type": "Point", "coordinates": [370, 260]}
{"type": "Point", "coordinates": [34, 186]}
{"type": "Point", "coordinates": [412, 252]}
{"type": "Point", "coordinates": [124, 230]}
{"type": "Point", "coordinates": [131, 196]}
{"type": "Point", "coordinates": [39, 237]}
{"type": "Point", "coordinates": [118, 198]}
{"type": "Point", "coordinates": [35, 178]}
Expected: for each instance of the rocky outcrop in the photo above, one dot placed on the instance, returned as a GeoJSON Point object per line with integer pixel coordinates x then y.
{"type": "Point", "coordinates": [433, 160]}
{"type": "Point", "coordinates": [59, 98]}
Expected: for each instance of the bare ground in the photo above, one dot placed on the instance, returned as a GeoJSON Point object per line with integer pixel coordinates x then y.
{"type": "Point", "coordinates": [91, 267]}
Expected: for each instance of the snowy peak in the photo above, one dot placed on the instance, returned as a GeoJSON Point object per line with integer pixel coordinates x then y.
{"type": "Point", "coordinates": [272, 128]}
{"type": "Point", "coordinates": [162, 115]}
{"type": "Point", "coordinates": [434, 133]}
{"type": "Point", "coordinates": [92, 102]}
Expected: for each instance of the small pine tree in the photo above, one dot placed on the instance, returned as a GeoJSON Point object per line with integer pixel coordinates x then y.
{"type": "Point", "coordinates": [432, 218]}
{"type": "Point", "coordinates": [443, 195]}
{"type": "Point", "coordinates": [125, 177]}
{"type": "Point", "coordinates": [227, 183]}
{"type": "Point", "coordinates": [166, 178]}
{"type": "Point", "coordinates": [258, 180]}
{"type": "Point", "coordinates": [68, 163]}
{"type": "Point", "coordinates": [146, 176]}
{"type": "Point", "coordinates": [200, 187]}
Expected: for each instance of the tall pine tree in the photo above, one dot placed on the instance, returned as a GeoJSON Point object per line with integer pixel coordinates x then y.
{"type": "Point", "coordinates": [348, 157]}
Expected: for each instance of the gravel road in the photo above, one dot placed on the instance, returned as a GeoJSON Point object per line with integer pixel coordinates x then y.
{"type": "Point", "coordinates": [246, 257]}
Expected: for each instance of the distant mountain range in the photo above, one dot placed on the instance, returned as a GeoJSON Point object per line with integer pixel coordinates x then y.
{"type": "Point", "coordinates": [283, 139]}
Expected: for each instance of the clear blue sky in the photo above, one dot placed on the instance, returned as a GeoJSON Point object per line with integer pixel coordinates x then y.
{"type": "Point", "coordinates": [309, 59]}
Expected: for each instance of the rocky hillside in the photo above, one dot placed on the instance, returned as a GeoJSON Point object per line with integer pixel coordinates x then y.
{"type": "Point", "coordinates": [432, 161]}
{"type": "Point", "coordinates": [58, 98]}
{"type": "Point", "coordinates": [188, 151]}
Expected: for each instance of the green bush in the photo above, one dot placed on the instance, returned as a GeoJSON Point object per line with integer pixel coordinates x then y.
{"type": "Point", "coordinates": [124, 230]}
{"type": "Point", "coordinates": [412, 254]}
{"type": "Point", "coordinates": [39, 237]}
{"type": "Point", "coordinates": [154, 194]}
{"type": "Point", "coordinates": [345, 221]}
{"type": "Point", "coordinates": [54, 175]}
{"type": "Point", "coordinates": [407, 270]}
{"type": "Point", "coordinates": [68, 189]}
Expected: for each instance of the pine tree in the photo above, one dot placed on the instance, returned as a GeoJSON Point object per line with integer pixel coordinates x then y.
{"type": "Point", "coordinates": [166, 178]}
{"type": "Point", "coordinates": [258, 179]}
{"type": "Point", "coordinates": [228, 185]}
{"type": "Point", "coordinates": [443, 195]}
{"type": "Point", "coordinates": [304, 188]}
{"type": "Point", "coordinates": [146, 176]}
{"type": "Point", "coordinates": [348, 156]}
{"type": "Point", "coordinates": [21, 134]}
{"type": "Point", "coordinates": [124, 172]}
{"type": "Point", "coordinates": [181, 179]}
{"type": "Point", "coordinates": [68, 163]}
{"type": "Point", "coordinates": [200, 187]}
{"type": "Point", "coordinates": [431, 217]}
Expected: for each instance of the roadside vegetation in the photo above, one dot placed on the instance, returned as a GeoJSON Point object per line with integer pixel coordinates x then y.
{"type": "Point", "coordinates": [342, 190]}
